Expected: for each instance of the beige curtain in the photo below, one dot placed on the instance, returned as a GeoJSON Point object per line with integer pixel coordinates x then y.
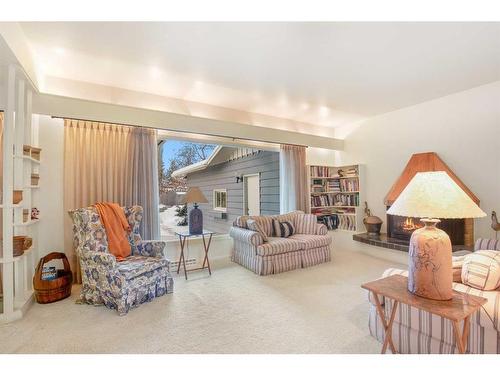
{"type": "Point", "coordinates": [107, 162]}
{"type": "Point", "coordinates": [1, 214]}
{"type": "Point", "coordinates": [293, 179]}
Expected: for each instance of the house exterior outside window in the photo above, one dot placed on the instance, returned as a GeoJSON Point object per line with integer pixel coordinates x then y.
{"type": "Point", "coordinates": [220, 200]}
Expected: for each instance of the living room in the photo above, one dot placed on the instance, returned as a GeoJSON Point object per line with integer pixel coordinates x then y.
{"type": "Point", "coordinates": [250, 188]}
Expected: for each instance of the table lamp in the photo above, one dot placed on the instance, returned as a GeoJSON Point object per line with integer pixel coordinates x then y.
{"type": "Point", "coordinates": [195, 221]}
{"type": "Point", "coordinates": [429, 196]}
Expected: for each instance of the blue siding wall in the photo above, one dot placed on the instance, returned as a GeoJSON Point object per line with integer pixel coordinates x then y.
{"type": "Point", "coordinates": [222, 176]}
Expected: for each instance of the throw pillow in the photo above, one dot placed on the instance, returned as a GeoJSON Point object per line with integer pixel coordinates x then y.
{"type": "Point", "coordinates": [256, 227]}
{"type": "Point", "coordinates": [457, 263]}
{"type": "Point", "coordinates": [283, 228]}
{"type": "Point", "coordinates": [481, 270]}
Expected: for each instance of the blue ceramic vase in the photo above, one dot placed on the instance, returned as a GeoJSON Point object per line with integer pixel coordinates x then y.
{"type": "Point", "coordinates": [195, 220]}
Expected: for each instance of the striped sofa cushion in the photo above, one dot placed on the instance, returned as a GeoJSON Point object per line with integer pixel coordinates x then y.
{"type": "Point", "coordinates": [312, 241]}
{"type": "Point", "coordinates": [265, 223]}
{"type": "Point", "coordinates": [481, 270]}
{"type": "Point", "coordinates": [278, 245]}
{"type": "Point", "coordinates": [283, 228]}
{"type": "Point", "coordinates": [256, 227]}
{"type": "Point", "coordinates": [487, 244]}
{"type": "Point", "coordinates": [306, 224]}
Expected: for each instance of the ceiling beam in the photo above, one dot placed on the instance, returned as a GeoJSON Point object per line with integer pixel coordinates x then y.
{"type": "Point", "coordinates": [65, 107]}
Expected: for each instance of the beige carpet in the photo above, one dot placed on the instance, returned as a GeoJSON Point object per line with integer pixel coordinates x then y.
{"type": "Point", "coordinates": [314, 310]}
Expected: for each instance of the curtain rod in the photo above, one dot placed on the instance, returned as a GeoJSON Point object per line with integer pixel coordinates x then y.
{"type": "Point", "coordinates": [181, 131]}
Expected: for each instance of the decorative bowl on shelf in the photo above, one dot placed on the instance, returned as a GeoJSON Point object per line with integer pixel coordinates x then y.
{"type": "Point", "coordinates": [35, 153]}
{"type": "Point", "coordinates": [17, 196]}
{"type": "Point", "coordinates": [34, 179]}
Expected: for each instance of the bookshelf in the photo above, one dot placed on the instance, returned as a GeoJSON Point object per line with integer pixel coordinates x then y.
{"type": "Point", "coordinates": [336, 195]}
{"type": "Point", "coordinates": [20, 160]}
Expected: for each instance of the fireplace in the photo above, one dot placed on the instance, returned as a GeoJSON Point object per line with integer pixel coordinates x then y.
{"type": "Point", "coordinates": [401, 228]}
{"type": "Point", "coordinates": [461, 231]}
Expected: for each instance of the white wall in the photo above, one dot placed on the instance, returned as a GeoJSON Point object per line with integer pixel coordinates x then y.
{"type": "Point", "coordinates": [320, 156]}
{"type": "Point", "coordinates": [464, 130]}
{"type": "Point", "coordinates": [50, 194]}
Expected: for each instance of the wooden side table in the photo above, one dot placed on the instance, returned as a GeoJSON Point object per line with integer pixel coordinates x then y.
{"type": "Point", "coordinates": [183, 236]}
{"type": "Point", "coordinates": [458, 309]}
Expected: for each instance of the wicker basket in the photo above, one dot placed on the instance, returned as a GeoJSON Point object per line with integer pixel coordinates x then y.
{"type": "Point", "coordinates": [48, 291]}
{"type": "Point", "coordinates": [18, 245]}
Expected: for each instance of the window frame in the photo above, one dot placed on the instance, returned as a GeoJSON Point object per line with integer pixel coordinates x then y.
{"type": "Point", "coordinates": [219, 208]}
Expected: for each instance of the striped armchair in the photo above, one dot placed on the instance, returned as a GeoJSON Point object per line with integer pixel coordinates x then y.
{"type": "Point", "coordinates": [416, 331]}
{"type": "Point", "coordinates": [119, 285]}
{"type": "Point", "coordinates": [264, 254]}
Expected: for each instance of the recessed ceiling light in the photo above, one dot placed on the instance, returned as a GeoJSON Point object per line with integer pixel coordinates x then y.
{"type": "Point", "coordinates": [154, 72]}
{"type": "Point", "coordinates": [324, 111]}
{"type": "Point", "coordinates": [59, 51]}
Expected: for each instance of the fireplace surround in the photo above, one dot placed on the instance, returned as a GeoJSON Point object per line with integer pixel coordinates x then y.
{"type": "Point", "coordinates": [399, 228]}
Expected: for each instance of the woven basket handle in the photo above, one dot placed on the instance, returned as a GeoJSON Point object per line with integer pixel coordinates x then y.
{"type": "Point", "coordinates": [47, 258]}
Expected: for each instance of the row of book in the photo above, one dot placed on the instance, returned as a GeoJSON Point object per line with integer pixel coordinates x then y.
{"type": "Point", "coordinates": [348, 172]}
{"type": "Point", "coordinates": [332, 199]}
{"type": "Point", "coordinates": [322, 200]}
{"type": "Point", "coordinates": [333, 185]}
{"type": "Point", "coordinates": [317, 188]}
{"type": "Point", "coordinates": [319, 171]}
{"type": "Point", "coordinates": [339, 222]}
{"type": "Point", "coordinates": [349, 185]}
{"type": "Point", "coordinates": [346, 200]}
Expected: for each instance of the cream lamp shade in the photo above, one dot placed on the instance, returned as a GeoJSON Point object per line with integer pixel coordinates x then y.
{"type": "Point", "coordinates": [194, 195]}
{"type": "Point", "coordinates": [434, 195]}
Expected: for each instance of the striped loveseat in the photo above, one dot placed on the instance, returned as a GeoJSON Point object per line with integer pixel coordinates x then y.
{"type": "Point", "coordinates": [417, 331]}
{"type": "Point", "coordinates": [264, 254]}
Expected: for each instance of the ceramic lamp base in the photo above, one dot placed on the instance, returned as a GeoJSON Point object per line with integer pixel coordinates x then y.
{"type": "Point", "coordinates": [430, 265]}
{"type": "Point", "coordinates": [195, 220]}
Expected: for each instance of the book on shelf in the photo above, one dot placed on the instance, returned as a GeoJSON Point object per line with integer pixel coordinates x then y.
{"type": "Point", "coordinates": [349, 185]}
{"type": "Point", "coordinates": [348, 172]}
{"type": "Point", "coordinates": [333, 185]}
{"type": "Point", "coordinates": [335, 221]}
{"type": "Point", "coordinates": [321, 171]}
{"type": "Point", "coordinates": [346, 200]}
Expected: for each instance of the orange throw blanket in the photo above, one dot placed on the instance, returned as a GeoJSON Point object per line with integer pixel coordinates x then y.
{"type": "Point", "coordinates": [117, 228]}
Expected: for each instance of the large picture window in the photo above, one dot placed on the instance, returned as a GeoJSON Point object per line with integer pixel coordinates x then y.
{"type": "Point", "coordinates": [220, 200]}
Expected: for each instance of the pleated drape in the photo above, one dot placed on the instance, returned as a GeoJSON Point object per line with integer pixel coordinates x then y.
{"type": "Point", "coordinates": [1, 190]}
{"type": "Point", "coordinates": [108, 162]}
{"type": "Point", "coordinates": [293, 179]}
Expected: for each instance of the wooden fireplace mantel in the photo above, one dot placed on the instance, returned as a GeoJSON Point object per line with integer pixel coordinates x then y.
{"type": "Point", "coordinates": [423, 162]}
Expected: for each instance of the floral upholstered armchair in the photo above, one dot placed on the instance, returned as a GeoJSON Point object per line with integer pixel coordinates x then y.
{"type": "Point", "coordinates": [119, 285]}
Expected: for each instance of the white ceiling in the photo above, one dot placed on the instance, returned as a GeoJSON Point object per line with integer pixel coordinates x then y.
{"type": "Point", "coordinates": [320, 73]}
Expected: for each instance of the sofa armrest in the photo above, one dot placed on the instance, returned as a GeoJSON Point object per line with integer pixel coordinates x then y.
{"type": "Point", "coordinates": [150, 248]}
{"type": "Point", "coordinates": [321, 229]}
{"type": "Point", "coordinates": [246, 235]}
{"type": "Point", "coordinates": [98, 258]}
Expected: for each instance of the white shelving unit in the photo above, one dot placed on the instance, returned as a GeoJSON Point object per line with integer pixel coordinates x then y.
{"type": "Point", "coordinates": [334, 194]}
{"type": "Point", "coordinates": [18, 130]}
